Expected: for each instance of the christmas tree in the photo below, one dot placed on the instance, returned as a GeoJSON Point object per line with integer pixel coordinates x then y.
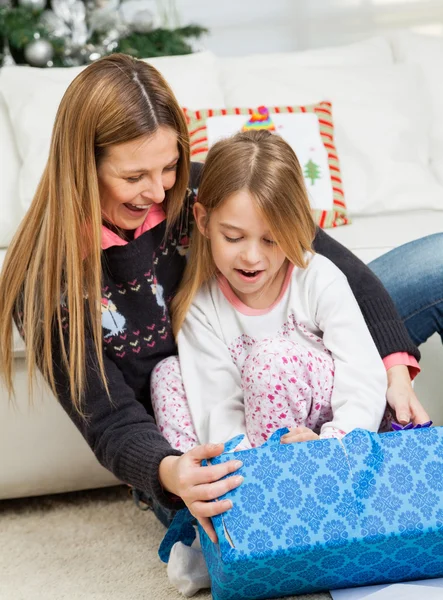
{"type": "Point", "coordinates": [312, 171]}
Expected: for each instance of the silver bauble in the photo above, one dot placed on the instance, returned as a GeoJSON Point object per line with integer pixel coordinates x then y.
{"type": "Point", "coordinates": [143, 21]}
{"type": "Point", "coordinates": [38, 53]}
{"type": "Point", "coordinates": [33, 4]}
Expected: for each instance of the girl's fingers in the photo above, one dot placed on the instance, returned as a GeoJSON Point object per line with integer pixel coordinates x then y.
{"type": "Point", "coordinates": [305, 436]}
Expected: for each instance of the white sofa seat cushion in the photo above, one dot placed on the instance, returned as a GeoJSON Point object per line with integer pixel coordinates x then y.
{"type": "Point", "coordinates": [371, 236]}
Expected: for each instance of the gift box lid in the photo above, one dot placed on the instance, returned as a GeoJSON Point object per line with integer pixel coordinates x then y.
{"type": "Point", "coordinates": [331, 491]}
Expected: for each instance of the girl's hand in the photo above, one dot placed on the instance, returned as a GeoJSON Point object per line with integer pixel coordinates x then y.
{"type": "Point", "coordinates": [402, 399]}
{"type": "Point", "coordinates": [299, 434]}
{"type": "Point", "coordinates": [196, 485]}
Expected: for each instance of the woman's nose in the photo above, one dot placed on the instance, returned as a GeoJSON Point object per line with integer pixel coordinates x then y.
{"type": "Point", "coordinates": [155, 192]}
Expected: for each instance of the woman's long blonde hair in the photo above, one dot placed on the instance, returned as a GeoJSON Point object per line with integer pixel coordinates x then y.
{"type": "Point", "coordinates": [55, 256]}
{"type": "Point", "coordinates": [266, 166]}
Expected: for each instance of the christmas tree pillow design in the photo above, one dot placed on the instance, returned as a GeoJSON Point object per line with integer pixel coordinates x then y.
{"type": "Point", "coordinates": [308, 129]}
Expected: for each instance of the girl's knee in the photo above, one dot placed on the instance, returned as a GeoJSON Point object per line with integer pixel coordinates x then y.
{"type": "Point", "coordinates": [167, 367]}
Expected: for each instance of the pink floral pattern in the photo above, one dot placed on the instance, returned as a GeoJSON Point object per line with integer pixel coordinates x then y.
{"type": "Point", "coordinates": [285, 384]}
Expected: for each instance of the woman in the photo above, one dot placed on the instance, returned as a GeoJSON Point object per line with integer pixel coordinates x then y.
{"type": "Point", "coordinates": [95, 262]}
{"type": "Point", "coordinates": [421, 305]}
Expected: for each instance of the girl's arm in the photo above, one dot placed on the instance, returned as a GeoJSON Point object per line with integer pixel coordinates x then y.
{"type": "Point", "coordinates": [211, 380]}
{"type": "Point", "coordinates": [385, 325]}
{"type": "Point", "coordinates": [360, 381]}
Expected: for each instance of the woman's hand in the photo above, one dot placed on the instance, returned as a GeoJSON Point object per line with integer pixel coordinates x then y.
{"type": "Point", "coordinates": [402, 399]}
{"type": "Point", "coordinates": [196, 485]}
{"type": "Point", "coordinates": [299, 434]}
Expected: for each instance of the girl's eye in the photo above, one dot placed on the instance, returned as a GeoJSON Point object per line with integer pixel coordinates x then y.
{"type": "Point", "coordinates": [270, 242]}
{"type": "Point", "coordinates": [232, 240]}
{"type": "Point", "coordinates": [172, 167]}
{"type": "Point", "coordinates": [134, 179]}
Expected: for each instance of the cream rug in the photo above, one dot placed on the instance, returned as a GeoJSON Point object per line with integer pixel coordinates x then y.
{"type": "Point", "coordinates": [93, 545]}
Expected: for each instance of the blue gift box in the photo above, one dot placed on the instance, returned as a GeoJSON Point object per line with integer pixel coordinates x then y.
{"type": "Point", "coordinates": [327, 514]}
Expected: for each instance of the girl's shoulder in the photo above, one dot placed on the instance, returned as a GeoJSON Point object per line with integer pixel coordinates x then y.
{"type": "Point", "coordinates": [319, 271]}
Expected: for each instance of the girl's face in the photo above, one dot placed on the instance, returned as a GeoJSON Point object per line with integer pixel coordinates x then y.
{"type": "Point", "coordinates": [135, 175]}
{"type": "Point", "coordinates": [243, 249]}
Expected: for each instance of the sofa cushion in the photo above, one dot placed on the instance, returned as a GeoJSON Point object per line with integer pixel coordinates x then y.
{"type": "Point", "coordinates": [381, 126]}
{"type": "Point", "coordinates": [18, 343]}
{"type": "Point", "coordinates": [309, 130]}
{"type": "Point", "coordinates": [33, 95]}
{"type": "Point", "coordinates": [372, 51]}
{"type": "Point", "coordinates": [9, 170]}
{"type": "Point", "coordinates": [427, 53]}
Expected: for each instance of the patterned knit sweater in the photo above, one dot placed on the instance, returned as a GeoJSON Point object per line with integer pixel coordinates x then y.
{"type": "Point", "coordinates": [139, 280]}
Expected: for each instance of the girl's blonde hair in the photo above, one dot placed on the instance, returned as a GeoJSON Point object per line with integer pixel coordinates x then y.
{"type": "Point", "coordinates": [55, 256]}
{"type": "Point", "coordinates": [266, 166]}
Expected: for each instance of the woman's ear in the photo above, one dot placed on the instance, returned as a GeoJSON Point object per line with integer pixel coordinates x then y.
{"type": "Point", "coordinates": [201, 218]}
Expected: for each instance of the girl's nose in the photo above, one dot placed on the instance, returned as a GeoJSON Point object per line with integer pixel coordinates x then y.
{"type": "Point", "coordinates": [251, 254]}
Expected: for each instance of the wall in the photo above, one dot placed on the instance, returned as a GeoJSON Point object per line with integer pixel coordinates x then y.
{"type": "Point", "coordinates": [240, 27]}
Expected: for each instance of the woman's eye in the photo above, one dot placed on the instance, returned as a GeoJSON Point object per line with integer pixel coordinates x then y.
{"type": "Point", "coordinates": [232, 240]}
{"type": "Point", "coordinates": [172, 167]}
{"type": "Point", "coordinates": [134, 179]}
{"type": "Point", "coordinates": [269, 242]}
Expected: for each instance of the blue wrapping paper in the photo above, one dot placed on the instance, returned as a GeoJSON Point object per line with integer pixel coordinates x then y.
{"type": "Point", "coordinates": [330, 514]}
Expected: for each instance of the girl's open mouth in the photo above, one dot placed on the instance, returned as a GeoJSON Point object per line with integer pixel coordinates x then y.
{"type": "Point", "coordinates": [250, 276]}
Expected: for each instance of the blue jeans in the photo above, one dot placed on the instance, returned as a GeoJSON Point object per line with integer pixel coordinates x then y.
{"type": "Point", "coordinates": [144, 502]}
{"type": "Point", "coordinates": [413, 276]}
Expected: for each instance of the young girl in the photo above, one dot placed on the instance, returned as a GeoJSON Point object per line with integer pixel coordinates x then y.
{"type": "Point", "coordinates": [269, 333]}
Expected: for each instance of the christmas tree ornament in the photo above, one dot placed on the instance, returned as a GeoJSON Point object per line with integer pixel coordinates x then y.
{"type": "Point", "coordinates": [65, 33]}
{"type": "Point", "coordinates": [38, 53]}
{"type": "Point", "coordinates": [54, 25]}
{"type": "Point", "coordinates": [32, 4]}
{"type": "Point", "coordinates": [104, 16]}
{"type": "Point", "coordinates": [139, 17]}
{"type": "Point", "coordinates": [144, 21]}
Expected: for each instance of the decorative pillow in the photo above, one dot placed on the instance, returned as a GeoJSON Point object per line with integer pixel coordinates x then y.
{"type": "Point", "coordinates": [308, 129]}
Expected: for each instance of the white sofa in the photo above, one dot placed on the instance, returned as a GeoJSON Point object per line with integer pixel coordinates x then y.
{"type": "Point", "coordinates": [386, 100]}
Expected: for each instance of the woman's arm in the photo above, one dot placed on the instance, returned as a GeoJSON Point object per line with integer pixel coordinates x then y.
{"type": "Point", "coordinates": [385, 325]}
{"type": "Point", "coordinates": [126, 441]}
{"type": "Point", "coordinates": [120, 432]}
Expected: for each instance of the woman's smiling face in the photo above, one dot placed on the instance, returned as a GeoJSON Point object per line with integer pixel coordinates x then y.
{"type": "Point", "coordinates": [134, 175]}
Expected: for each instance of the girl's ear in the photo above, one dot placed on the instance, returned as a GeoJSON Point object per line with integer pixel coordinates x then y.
{"type": "Point", "coordinates": [201, 218]}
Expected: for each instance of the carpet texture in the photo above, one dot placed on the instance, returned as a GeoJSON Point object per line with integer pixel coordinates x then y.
{"type": "Point", "coordinates": [93, 545]}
